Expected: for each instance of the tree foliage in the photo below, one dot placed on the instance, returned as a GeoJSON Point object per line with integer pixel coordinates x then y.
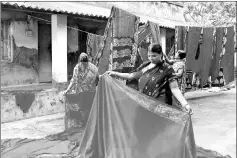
{"type": "Point", "coordinates": [210, 13]}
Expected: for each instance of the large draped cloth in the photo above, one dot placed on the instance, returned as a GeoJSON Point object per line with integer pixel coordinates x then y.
{"type": "Point", "coordinates": [125, 123]}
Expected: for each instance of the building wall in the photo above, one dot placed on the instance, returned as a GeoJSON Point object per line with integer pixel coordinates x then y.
{"type": "Point", "coordinates": [20, 64]}
{"type": "Point", "coordinates": [17, 105]}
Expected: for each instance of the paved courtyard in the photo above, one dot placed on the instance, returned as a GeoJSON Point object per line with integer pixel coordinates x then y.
{"type": "Point", "coordinates": [214, 122]}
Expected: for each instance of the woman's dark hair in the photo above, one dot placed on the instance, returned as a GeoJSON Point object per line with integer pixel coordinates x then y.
{"type": "Point", "coordinates": [182, 56]}
{"type": "Point", "coordinates": [155, 48]}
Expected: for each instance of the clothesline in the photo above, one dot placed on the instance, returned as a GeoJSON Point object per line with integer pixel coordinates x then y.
{"type": "Point", "coordinates": [62, 25]}
{"type": "Point", "coordinates": [65, 25]}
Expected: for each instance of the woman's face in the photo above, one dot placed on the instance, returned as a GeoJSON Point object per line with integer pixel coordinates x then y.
{"type": "Point", "coordinates": [154, 57]}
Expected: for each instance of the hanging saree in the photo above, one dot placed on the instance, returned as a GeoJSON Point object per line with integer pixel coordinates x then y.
{"type": "Point", "coordinates": [144, 33]}
{"type": "Point", "coordinates": [193, 40]}
{"type": "Point", "coordinates": [125, 40]}
{"type": "Point", "coordinates": [155, 31]}
{"type": "Point", "coordinates": [205, 57]}
{"type": "Point", "coordinates": [228, 58]}
{"type": "Point", "coordinates": [217, 53]}
{"type": "Point", "coordinates": [102, 59]}
{"type": "Point", "coordinates": [93, 45]}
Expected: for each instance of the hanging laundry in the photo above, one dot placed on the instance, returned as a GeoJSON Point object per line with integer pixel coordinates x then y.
{"type": "Point", "coordinates": [102, 59]}
{"type": "Point", "coordinates": [193, 40]}
{"type": "Point", "coordinates": [125, 40]}
{"type": "Point", "coordinates": [171, 52]}
{"type": "Point", "coordinates": [181, 30]}
{"type": "Point", "coordinates": [93, 45]}
{"type": "Point", "coordinates": [144, 33]}
{"type": "Point", "coordinates": [228, 58]}
{"type": "Point", "coordinates": [218, 50]}
{"type": "Point", "coordinates": [155, 31]}
{"type": "Point", "coordinates": [205, 57]}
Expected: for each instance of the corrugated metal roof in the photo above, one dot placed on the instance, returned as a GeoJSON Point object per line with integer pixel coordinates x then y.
{"type": "Point", "coordinates": [64, 7]}
{"type": "Point", "coordinates": [78, 8]}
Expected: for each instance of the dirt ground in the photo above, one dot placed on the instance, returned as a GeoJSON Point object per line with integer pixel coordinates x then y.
{"type": "Point", "coordinates": [214, 122]}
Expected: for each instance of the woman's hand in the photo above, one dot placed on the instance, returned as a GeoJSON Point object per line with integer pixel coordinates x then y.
{"type": "Point", "coordinates": [65, 92]}
{"type": "Point", "coordinates": [188, 109]}
{"type": "Point", "coordinates": [111, 73]}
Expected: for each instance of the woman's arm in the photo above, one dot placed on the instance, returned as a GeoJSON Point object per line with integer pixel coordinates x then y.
{"type": "Point", "coordinates": [178, 95]}
{"type": "Point", "coordinates": [126, 76]}
{"type": "Point", "coordinates": [171, 62]}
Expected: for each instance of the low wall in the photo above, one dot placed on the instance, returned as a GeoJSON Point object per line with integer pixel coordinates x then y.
{"type": "Point", "coordinates": [18, 105]}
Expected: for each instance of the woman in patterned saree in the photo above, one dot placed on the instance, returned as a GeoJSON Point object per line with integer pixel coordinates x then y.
{"type": "Point", "coordinates": [156, 78]}
{"type": "Point", "coordinates": [80, 94]}
{"type": "Point", "coordinates": [179, 67]}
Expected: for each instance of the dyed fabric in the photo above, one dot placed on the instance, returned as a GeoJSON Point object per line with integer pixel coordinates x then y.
{"type": "Point", "coordinates": [123, 123]}
{"type": "Point", "coordinates": [205, 57]}
{"type": "Point", "coordinates": [192, 46]}
{"type": "Point", "coordinates": [42, 148]}
{"type": "Point", "coordinates": [216, 56]}
{"type": "Point", "coordinates": [144, 33]}
{"type": "Point", "coordinates": [143, 51]}
{"type": "Point", "coordinates": [93, 46]}
{"type": "Point", "coordinates": [77, 110]}
{"type": "Point", "coordinates": [102, 59]}
{"type": "Point", "coordinates": [126, 123]}
{"type": "Point", "coordinates": [228, 58]}
{"type": "Point", "coordinates": [155, 82]}
{"type": "Point", "coordinates": [125, 40]}
{"type": "Point", "coordinates": [155, 31]}
{"type": "Point", "coordinates": [172, 51]}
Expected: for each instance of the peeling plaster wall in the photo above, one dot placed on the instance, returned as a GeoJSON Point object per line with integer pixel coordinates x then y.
{"type": "Point", "coordinates": [22, 68]}
{"type": "Point", "coordinates": [19, 33]}
{"type": "Point", "coordinates": [12, 74]}
{"type": "Point", "coordinates": [27, 104]}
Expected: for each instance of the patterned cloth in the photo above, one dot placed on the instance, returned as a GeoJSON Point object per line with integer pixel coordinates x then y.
{"type": "Point", "coordinates": [125, 40]}
{"type": "Point", "coordinates": [93, 46]}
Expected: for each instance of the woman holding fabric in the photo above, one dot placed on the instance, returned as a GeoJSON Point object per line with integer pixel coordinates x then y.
{"type": "Point", "coordinates": [80, 93]}
{"type": "Point", "coordinates": [179, 67]}
{"type": "Point", "coordinates": [156, 78]}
